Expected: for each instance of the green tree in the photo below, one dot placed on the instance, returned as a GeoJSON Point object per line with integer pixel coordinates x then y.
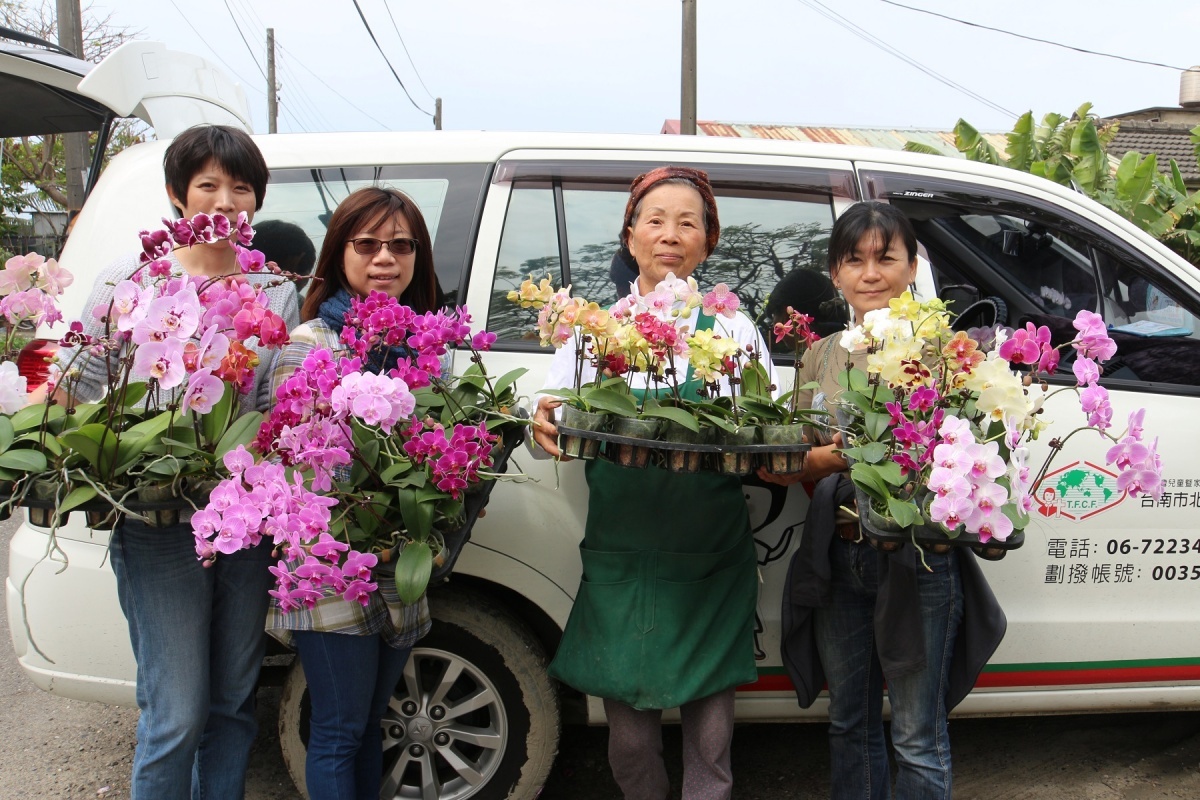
{"type": "Point", "coordinates": [1073, 151]}
{"type": "Point", "coordinates": [34, 167]}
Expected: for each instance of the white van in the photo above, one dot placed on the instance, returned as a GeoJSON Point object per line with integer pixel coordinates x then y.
{"type": "Point", "coordinates": [1103, 600]}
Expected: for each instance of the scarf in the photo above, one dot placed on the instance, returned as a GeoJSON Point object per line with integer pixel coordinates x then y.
{"type": "Point", "coordinates": [333, 313]}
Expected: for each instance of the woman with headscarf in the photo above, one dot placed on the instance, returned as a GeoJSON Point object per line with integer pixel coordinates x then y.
{"type": "Point", "coordinates": [664, 616]}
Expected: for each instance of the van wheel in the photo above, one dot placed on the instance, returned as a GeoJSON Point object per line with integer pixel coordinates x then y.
{"type": "Point", "coordinates": [475, 716]}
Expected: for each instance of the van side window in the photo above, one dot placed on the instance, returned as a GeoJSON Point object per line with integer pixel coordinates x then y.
{"type": "Point", "coordinates": [301, 202]}
{"type": "Point", "coordinates": [767, 234]}
{"type": "Point", "coordinates": [1047, 264]}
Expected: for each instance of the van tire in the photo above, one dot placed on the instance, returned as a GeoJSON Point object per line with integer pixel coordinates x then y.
{"type": "Point", "coordinates": [473, 633]}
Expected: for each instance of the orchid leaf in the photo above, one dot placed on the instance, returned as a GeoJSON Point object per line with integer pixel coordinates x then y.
{"type": "Point", "coordinates": [904, 512]}
{"type": "Point", "coordinates": [24, 460]}
{"type": "Point", "coordinates": [870, 453]}
{"type": "Point", "coordinates": [242, 431]}
{"type": "Point", "coordinates": [96, 443]}
{"type": "Point", "coordinates": [368, 457]}
{"type": "Point", "coordinates": [31, 416]}
{"type": "Point", "coordinates": [84, 412]}
{"type": "Point", "coordinates": [611, 401]}
{"type": "Point", "coordinates": [134, 393]}
{"type": "Point", "coordinates": [755, 379]}
{"type": "Point", "coordinates": [867, 478]}
{"type": "Point", "coordinates": [877, 424]}
{"type": "Point", "coordinates": [672, 413]}
{"type": "Point", "coordinates": [214, 423]}
{"type": "Point", "coordinates": [395, 470]}
{"type": "Point", "coordinates": [891, 472]}
{"type": "Point", "coordinates": [417, 516]}
{"type": "Point", "coordinates": [6, 434]}
{"type": "Point", "coordinates": [508, 379]}
{"type": "Point", "coordinates": [43, 442]}
{"type": "Point", "coordinates": [77, 497]}
{"type": "Point", "coordinates": [414, 565]}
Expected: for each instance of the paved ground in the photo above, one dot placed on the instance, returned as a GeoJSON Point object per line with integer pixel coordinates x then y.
{"type": "Point", "coordinates": [56, 748]}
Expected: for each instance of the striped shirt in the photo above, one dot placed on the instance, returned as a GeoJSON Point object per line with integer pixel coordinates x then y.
{"type": "Point", "coordinates": [400, 625]}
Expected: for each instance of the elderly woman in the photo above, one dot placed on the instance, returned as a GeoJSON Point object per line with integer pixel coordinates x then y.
{"type": "Point", "coordinates": [878, 617]}
{"type": "Point", "coordinates": [664, 616]}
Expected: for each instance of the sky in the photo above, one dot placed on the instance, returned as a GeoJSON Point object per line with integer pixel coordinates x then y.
{"type": "Point", "coordinates": [614, 65]}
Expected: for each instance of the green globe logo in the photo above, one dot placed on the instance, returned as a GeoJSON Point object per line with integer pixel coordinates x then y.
{"type": "Point", "coordinates": [1077, 491]}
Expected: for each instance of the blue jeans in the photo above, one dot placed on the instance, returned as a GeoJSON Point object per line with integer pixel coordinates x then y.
{"type": "Point", "coordinates": [846, 642]}
{"type": "Point", "coordinates": [197, 636]}
{"type": "Point", "coordinates": [350, 682]}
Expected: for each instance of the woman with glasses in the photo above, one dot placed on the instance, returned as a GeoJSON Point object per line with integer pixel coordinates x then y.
{"type": "Point", "coordinates": [353, 655]}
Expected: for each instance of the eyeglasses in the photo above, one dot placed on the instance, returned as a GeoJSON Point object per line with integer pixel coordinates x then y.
{"type": "Point", "coordinates": [367, 246]}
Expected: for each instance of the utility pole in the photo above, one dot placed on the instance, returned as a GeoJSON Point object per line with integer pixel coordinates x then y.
{"type": "Point", "coordinates": [687, 102]}
{"type": "Point", "coordinates": [75, 145]}
{"type": "Point", "coordinates": [437, 114]}
{"type": "Point", "coordinates": [272, 98]}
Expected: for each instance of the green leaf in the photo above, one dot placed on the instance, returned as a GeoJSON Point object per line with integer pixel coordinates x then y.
{"type": "Point", "coordinates": [877, 424]}
{"type": "Point", "coordinates": [96, 443]}
{"type": "Point", "coordinates": [368, 452]}
{"type": "Point", "coordinates": [134, 393]}
{"type": "Point", "coordinates": [77, 497]}
{"type": "Point", "coordinates": [508, 379]}
{"type": "Point", "coordinates": [417, 516]}
{"type": "Point", "coordinates": [241, 432]}
{"type": "Point", "coordinates": [904, 512]}
{"type": "Point", "coordinates": [216, 421]}
{"type": "Point", "coordinates": [611, 401]}
{"type": "Point", "coordinates": [971, 142]}
{"type": "Point", "coordinates": [31, 416]}
{"type": "Point", "coordinates": [867, 478]}
{"type": "Point", "coordinates": [84, 412]}
{"type": "Point", "coordinates": [24, 460]}
{"type": "Point", "coordinates": [672, 413]}
{"type": "Point", "coordinates": [755, 379]}
{"type": "Point", "coordinates": [395, 470]}
{"type": "Point", "coordinates": [891, 472]}
{"type": "Point", "coordinates": [920, 147]}
{"type": "Point", "coordinates": [873, 452]}
{"type": "Point", "coordinates": [414, 565]}
{"type": "Point", "coordinates": [47, 443]}
{"type": "Point", "coordinates": [6, 434]}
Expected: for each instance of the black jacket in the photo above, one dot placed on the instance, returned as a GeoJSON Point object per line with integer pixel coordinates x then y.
{"type": "Point", "coordinates": [898, 634]}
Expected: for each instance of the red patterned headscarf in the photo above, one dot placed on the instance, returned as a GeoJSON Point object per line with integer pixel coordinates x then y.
{"type": "Point", "coordinates": [643, 183]}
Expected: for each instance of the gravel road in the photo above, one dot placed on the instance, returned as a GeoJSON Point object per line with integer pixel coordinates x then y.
{"type": "Point", "coordinates": [57, 748]}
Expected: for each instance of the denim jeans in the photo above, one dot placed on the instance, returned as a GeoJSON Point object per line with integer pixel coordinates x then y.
{"type": "Point", "coordinates": [197, 636]}
{"type": "Point", "coordinates": [350, 682]}
{"type": "Point", "coordinates": [846, 641]}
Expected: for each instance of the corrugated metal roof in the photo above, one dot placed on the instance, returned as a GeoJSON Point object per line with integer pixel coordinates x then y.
{"type": "Point", "coordinates": [887, 138]}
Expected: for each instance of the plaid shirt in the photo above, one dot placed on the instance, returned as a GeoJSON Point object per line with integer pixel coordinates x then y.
{"type": "Point", "coordinates": [400, 625]}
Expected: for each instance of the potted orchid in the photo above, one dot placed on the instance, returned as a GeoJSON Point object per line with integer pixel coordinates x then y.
{"type": "Point", "coordinates": [639, 335]}
{"type": "Point", "coordinates": [29, 289]}
{"type": "Point", "coordinates": [364, 476]}
{"type": "Point", "coordinates": [175, 362]}
{"type": "Point", "coordinates": [937, 428]}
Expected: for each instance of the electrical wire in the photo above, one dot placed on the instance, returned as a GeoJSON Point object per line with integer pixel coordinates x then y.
{"type": "Point", "coordinates": [1033, 38]}
{"type": "Point", "coordinates": [367, 25]}
{"type": "Point", "coordinates": [310, 107]}
{"type": "Point", "coordinates": [396, 28]}
{"type": "Point", "coordinates": [245, 41]}
{"type": "Point", "coordinates": [212, 50]}
{"type": "Point", "coordinates": [330, 88]}
{"type": "Point", "coordinates": [838, 19]}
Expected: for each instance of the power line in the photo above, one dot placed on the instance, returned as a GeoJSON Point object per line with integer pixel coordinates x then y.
{"type": "Point", "coordinates": [402, 44]}
{"type": "Point", "coordinates": [1033, 38]}
{"type": "Point", "coordinates": [212, 50]}
{"type": "Point", "coordinates": [875, 41]}
{"type": "Point", "coordinates": [330, 88]}
{"type": "Point", "coordinates": [298, 91]}
{"type": "Point", "coordinates": [367, 25]}
{"type": "Point", "coordinates": [246, 42]}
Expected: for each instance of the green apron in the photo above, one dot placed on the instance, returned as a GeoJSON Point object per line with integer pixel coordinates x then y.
{"type": "Point", "coordinates": [665, 608]}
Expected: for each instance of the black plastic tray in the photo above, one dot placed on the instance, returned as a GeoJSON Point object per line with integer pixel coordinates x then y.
{"type": "Point", "coordinates": [933, 540]}
{"type": "Point", "coordinates": [704, 447]}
